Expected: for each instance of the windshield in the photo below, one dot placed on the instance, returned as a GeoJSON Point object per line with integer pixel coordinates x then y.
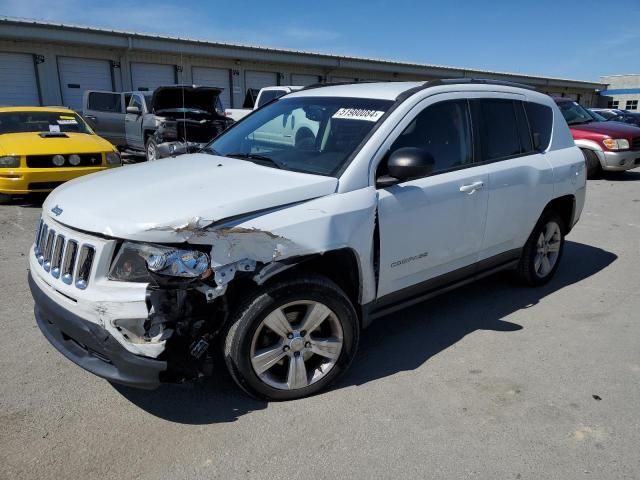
{"type": "Point", "coordinates": [20, 122]}
{"type": "Point", "coordinates": [576, 114]}
{"type": "Point", "coordinates": [308, 134]}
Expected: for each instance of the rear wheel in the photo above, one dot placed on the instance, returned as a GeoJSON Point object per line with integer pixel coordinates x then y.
{"type": "Point", "coordinates": [292, 339]}
{"type": "Point", "coordinates": [594, 169]}
{"type": "Point", "coordinates": [151, 149]}
{"type": "Point", "coordinates": [543, 250]}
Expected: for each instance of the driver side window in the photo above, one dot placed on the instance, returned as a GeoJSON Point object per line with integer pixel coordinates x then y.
{"type": "Point", "coordinates": [136, 101]}
{"type": "Point", "coordinates": [444, 130]}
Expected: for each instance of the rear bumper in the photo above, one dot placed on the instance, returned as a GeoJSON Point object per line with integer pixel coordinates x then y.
{"type": "Point", "coordinates": [26, 180]}
{"type": "Point", "coordinates": [92, 347]}
{"type": "Point", "coordinates": [620, 161]}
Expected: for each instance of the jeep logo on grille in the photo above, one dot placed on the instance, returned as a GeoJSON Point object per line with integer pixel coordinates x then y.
{"type": "Point", "coordinates": [56, 210]}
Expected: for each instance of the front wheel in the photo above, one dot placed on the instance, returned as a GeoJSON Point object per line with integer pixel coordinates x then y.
{"type": "Point", "coordinates": [594, 169]}
{"type": "Point", "coordinates": [542, 252]}
{"type": "Point", "coordinates": [292, 339]}
{"type": "Point", "coordinates": [151, 149]}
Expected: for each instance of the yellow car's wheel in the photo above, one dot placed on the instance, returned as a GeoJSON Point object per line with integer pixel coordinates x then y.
{"type": "Point", "coordinates": [4, 198]}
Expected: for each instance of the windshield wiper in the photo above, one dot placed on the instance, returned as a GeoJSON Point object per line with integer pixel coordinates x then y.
{"type": "Point", "coordinates": [254, 156]}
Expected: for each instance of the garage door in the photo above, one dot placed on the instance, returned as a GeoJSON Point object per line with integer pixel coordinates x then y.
{"type": "Point", "coordinates": [343, 79]}
{"type": "Point", "coordinates": [18, 84]}
{"type": "Point", "coordinates": [258, 80]}
{"type": "Point", "coordinates": [214, 77]}
{"type": "Point", "coordinates": [80, 74]}
{"type": "Point", "coordinates": [304, 80]}
{"type": "Point", "coordinates": [147, 77]}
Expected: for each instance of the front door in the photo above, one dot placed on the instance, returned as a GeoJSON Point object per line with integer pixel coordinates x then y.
{"type": "Point", "coordinates": [133, 123]}
{"type": "Point", "coordinates": [434, 225]}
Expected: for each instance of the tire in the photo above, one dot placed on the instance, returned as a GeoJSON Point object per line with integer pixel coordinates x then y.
{"type": "Point", "coordinates": [594, 169]}
{"type": "Point", "coordinates": [275, 374]}
{"type": "Point", "coordinates": [4, 198]}
{"type": "Point", "coordinates": [533, 270]}
{"type": "Point", "coordinates": [151, 149]}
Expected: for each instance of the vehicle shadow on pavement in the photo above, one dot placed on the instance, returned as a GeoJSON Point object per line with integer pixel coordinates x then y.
{"type": "Point", "coordinates": [405, 340]}
{"type": "Point", "coordinates": [398, 342]}
{"type": "Point", "coordinates": [622, 176]}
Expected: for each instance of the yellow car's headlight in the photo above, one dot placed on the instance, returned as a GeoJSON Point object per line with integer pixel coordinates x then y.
{"type": "Point", "coordinates": [9, 161]}
{"type": "Point", "coordinates": [113, 158]}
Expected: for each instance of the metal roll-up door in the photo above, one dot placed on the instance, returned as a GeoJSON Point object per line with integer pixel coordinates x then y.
{"type": "Point", "coordinates": [18, 80]}
{"type": "Point", "coordinates": [80, 74]}
{"type": "Point", "coordinates": [257, 80]}
{"type": "Point", "coordinates": [147, 77]}
{"type": "Point", "coordinates": [214, 77]}
{"type": "Point", "coordinates": [343, 79]}
{"type": "Point", "coordinates": [299, 79]}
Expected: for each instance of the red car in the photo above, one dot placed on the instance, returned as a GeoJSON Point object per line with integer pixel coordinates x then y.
{"type": "Point", "coordinates": [611, 146]}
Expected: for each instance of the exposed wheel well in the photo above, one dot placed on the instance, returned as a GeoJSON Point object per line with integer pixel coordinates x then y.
{"type": "Point", "coordinates": [565, 207]}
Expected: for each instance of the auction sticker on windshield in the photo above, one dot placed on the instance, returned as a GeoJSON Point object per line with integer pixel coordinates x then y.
{"type": "Point", "coordinates": [358, 114]}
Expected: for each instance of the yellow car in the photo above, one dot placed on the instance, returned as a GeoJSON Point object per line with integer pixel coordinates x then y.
{"type": "Point", "coordinates": [42, 147]}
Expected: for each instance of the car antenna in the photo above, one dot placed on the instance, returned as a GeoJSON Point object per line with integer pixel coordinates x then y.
{"type": "Point", "coordinates": [184, 110]}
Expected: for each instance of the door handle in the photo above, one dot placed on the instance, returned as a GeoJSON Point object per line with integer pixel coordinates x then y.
{"type": "Point", "coordinates": [91, 117]}
{"type": "Point", "coordinates": [472, 187]}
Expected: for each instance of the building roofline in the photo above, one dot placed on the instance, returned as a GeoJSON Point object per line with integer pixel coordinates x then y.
{"type": "Point", "coordinates": [339, 59]}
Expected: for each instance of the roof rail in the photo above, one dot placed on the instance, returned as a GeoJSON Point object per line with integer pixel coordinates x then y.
{"type": "Point", "coordinates": [333, 84]}
{"type": "Point", "coordinates": [460, 81]}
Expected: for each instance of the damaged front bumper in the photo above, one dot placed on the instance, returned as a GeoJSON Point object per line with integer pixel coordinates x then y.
{"type": "Point", "coordinates": [91, 346]}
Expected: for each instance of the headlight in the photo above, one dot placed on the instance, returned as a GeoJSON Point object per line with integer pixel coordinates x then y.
{"type": "Point", "coordinates": [134, 261]}
{"type": "Point", "coordinates": [9, 162]}
{"type": "Point", "coordinates": [74, 160]}
{"type": "Point", "coordinates": [58, 160]}
{"type": "Point", "coordinates": [616, 143]}
{"type": "Point", "coordinates": [113, 158]}
{"type": "Point", "coordinates": [159, 121]}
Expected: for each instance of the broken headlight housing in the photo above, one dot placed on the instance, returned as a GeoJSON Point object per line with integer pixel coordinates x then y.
{"type": "Point", "coordinates": [140, 262]}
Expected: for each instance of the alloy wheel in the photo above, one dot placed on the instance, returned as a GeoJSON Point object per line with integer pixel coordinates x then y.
{"type": "Point", "coordinates": [547, 249]}
{"type": "Point", "coordinates": [296, 345]}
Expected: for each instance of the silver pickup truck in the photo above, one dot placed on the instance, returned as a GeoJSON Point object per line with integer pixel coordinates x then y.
{"type": "Point", "coordinates": [139, 121]}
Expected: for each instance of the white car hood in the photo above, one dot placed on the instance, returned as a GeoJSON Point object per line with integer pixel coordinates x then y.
{"type": "Point", "coordinates": [167, 200]}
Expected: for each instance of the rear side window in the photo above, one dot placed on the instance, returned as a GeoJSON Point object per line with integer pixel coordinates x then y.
{"type": "Point", "coordinates": [540, 121]}
{"type": "Point", "coordinates": [497, 129]}
{"type": "Point", "coordinates": [105, 102]}
{"type": "Point", "coordinates": [268, 95]}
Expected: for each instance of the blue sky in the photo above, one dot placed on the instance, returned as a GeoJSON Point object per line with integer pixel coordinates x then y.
{"type": "Point", "coordinates": [561, 38]}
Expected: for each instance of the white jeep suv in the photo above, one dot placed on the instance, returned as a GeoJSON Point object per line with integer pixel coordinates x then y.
{"type": "Point", "coordinates": [277, 254]}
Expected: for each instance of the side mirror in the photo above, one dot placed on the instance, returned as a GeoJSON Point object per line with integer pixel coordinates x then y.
{"type": "Point", "coordinates": [410, 162]}
{"type": "Point", "coordinates": [133, 110]}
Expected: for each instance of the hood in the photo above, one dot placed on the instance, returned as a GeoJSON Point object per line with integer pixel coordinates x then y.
{"type": "Point", "coordinates": [612, 129]}
{"type": "Point", "coordinates": [188, 96]}
{"type": "Point", "coordinates": [31, 143]}
{"type": "Point", "coordinates": [168, 200]}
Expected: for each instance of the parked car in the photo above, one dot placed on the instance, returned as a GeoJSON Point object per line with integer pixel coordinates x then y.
{"type": "Point", "coordinates": [610, 146]}
{"type": "Point", "coordinates": [42, 147]}
{"type": "Point", "coordinates": [632, 118]}
{"type": "Point", "coordinates": [280, 254]}
{"type": "Point", "coordinates": [186, 114]}
{"type": "Point", "coordinates": [607, 113]}
{"type": "Point", "coordinates": [255, 99]}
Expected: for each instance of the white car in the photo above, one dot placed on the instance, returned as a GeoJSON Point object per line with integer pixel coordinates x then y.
{"type": "Point", "coordinates": [263, 96]}
{"type": "Point", "coordinates": [279, 254]}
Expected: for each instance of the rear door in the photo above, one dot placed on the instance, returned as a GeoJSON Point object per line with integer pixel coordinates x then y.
{"type": "Point", "coordinates": [80, 74]}
{"type": "Point", "coordinates": [432, 226]}
{"type": "Point", "coordinates": [520, 177]}
{"type": "Point", "coordinates": [105, 113]}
